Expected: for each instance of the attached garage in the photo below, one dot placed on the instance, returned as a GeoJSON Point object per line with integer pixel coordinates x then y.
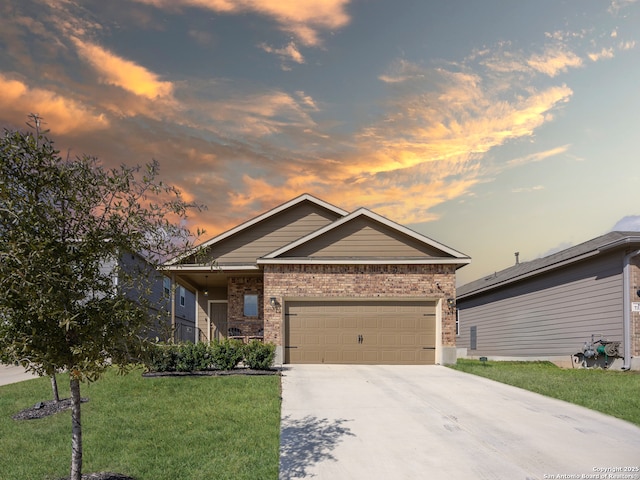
{"type": "Point", "coordinates": [394, 332]}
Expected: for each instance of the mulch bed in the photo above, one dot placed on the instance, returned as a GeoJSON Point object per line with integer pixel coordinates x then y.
{"type": "Point", "coordinates": [103, 476]}
{"type": "Point", "coordinates": [44, 409]}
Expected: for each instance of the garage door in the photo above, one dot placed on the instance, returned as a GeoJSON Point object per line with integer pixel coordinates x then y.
{"type": "Point", "coordinates": [358, 332]}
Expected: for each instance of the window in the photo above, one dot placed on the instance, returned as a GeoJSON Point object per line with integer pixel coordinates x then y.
{"type": "Point", "coordinates": [457, 322]}
{"type": "Point", "coordinates": [182, 296]}
{"type": "Point", "coordinates": [251, 305]}
{"type": "Point", "coordinates": [166, 283]}
{"type": "Point", "coordinates": [473, 333]}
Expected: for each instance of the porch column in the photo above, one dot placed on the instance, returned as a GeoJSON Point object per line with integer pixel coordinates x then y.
{"type": "Point", "coordinates": [173, 306]}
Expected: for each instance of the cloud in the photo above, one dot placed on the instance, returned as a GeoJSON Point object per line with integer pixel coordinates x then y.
{"type": "Point", "coordinates": [630, 223]}
{"type": "Point", "coordinates": [287, 54]}
{"type": "Point", "coordinates": [554, 61]}
{"type": "Point", "coordinates": [115, 70]}
{"type": "Point", "coordinates": [450, 115]}
{"type": "Point", "coordinates": [64, 115]}
{"type": "Point", "coordinates": [617, 5]}
{"type": "Point", "coordinates": [527, 189]}
{"type": "Point", "coordinates": [538, 156]}
{"type": "Point", "coordinates": [628, 45]}
{"type": "Point", "coordinates": [259, 113]}
{"type": "Point", "coordinates": [604, 53]}
{"type": "Point", "coordinates": [302, 19]}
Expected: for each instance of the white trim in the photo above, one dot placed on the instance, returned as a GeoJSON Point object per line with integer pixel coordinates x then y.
{"type": "Point", "coordinates": [196, 267]}
{"type": "Point", "coordinates": [374, 216]}
{"type": "Point", "coordinates": [360, 261]}
{"type": "Point", "coordinates": [258, 219]}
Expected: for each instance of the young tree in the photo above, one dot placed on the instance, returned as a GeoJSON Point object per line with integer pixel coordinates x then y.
{"type": "Point", "coordinates": [62, 222]}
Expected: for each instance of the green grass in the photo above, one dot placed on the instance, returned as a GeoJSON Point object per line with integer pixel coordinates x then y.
{"type": "Point", "coordinates": [612, 392]}
{"type": "Point", "coordinates": [148, 428]}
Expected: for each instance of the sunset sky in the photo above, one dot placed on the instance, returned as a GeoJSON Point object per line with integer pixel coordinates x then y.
{"type": "Point", "coordinates": [491, 126]}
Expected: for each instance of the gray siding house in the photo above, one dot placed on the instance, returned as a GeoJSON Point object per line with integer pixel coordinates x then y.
{"type": "Point", "coordinates": [546, 309]}
{"type": "Point", "coordinates": [326, 286]}
{"type": "Point", "coordinates": [158, 289]}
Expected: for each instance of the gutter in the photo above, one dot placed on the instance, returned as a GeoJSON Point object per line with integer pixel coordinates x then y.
{"type": "Point", "coordinates": [626, 299]}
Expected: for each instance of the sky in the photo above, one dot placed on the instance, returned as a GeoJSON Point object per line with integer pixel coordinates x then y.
{"type": "Point", "coordinates": [492, 127]}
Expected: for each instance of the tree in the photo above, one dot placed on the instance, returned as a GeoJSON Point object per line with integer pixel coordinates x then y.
{"type": "Point", "coordinates": [62, 222]}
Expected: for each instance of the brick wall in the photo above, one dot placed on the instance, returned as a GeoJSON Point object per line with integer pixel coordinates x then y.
{"type": "Point", "coordinates": [237, 287]}
{"type": "Point", "coordinates": [357, 281]}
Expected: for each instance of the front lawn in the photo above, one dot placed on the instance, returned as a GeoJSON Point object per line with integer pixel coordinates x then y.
{"type": "Point", "coordinates": [148, 428]}
{"type": "Point", "coordinates": [612, 392]}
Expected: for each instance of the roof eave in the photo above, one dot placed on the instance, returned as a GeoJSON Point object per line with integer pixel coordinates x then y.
{"type": "Point", "coordinates": [259, 218]}
{"type": "Point", "coordinates": [195, 267]}
{"type": "Point", "coordinates": [529, 274]}
{"type": "Point", "coordinates": [361, 261]}
{"type": "Point", "coordinates": [376, 217]}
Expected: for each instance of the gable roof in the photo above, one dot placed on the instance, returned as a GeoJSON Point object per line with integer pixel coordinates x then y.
{"type": "Point", "coordinates": [560, 259]}
{"type": "Point", "coordinates": [256, 220]}
{"type": "Point", "coordinates": [444, 254]}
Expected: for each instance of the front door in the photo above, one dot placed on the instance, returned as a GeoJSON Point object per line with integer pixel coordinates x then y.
{"type": "Point", "coordinates": [218, 316]}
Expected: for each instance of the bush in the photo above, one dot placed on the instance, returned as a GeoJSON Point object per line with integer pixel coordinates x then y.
{"type": "Point", "coordinates": [227, 353]}
{"type": "Point", "coordinates": [193, 357]}
{"type": "Point", "coordinates": [161, 357]}
{"type": "Point", "coordinates": [258, 355]}
{"type": "Point", "coordinates": [219, 354]}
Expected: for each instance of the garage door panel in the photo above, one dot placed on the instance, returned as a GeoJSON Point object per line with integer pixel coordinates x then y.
{"type": "Point", "coordinates": [329, 332]}
{"type": "Point", "coordinates": [370, 356]}
{"type": "Point", "coordinates": [428, 357]}
{"type": "Point", "coordinates": [332, 339]}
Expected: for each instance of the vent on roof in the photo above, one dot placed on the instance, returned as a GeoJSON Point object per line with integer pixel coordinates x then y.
{"type": "Point", "coordinates": [517, 254]}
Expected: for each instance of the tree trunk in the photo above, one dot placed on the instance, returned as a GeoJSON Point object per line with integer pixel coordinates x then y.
{"type": "Point", "coordinates": [76, 431]}
{"type": "Point", "coordinates": [54, 387]}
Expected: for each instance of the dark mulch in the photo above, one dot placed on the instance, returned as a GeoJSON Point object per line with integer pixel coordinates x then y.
{"type": "Point", "coordinates": [103, 476]}
{"type": "Point", "coordinates": [44, 409]}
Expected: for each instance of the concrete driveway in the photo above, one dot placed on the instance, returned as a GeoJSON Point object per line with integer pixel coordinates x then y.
{"type": "Point", "coordinates": [410, 422]}
{"type": "Point", "coordinates": [11, 374]}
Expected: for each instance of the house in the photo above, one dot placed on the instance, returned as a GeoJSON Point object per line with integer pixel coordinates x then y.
{"type": "Point", "coordinates": [547, 309]}
{"type": "Point", "coordinates": [326, 286]}
{"type": "Point", "coordinates": [143, 281]}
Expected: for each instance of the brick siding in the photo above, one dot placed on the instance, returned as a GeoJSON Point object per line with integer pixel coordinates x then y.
{"type": "Point", "coordinates": [357, 281]}
{"type": "Point", "coordinates": [237, 288]}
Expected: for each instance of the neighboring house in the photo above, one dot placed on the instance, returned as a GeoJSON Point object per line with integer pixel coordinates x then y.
{"type": "Point", "coordinates": [326, 286]}
{"type": "Point", "coordinates": [157, 288]}
{"type": "Point", "coordinates": [546, 309]}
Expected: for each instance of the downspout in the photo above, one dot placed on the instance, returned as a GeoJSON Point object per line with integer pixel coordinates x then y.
{"type": "Point", "coordinates": [626, 300]}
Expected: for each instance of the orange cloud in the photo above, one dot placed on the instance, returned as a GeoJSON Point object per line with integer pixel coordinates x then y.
{"type": "Point", "coordinates": [457, 118]}
{"type": "Point", "coordinates": [288, 53]}
{"type": "Point", "coordinates": [538, 156]}
{"type": "Point", "coordinates": [303, 19]}
{"type": "Point", "coordinates": [63, 115]}
{"type": "Point", "coordinates": [123, 73]}
{"type": "Point", "coordinates": [554, 61]}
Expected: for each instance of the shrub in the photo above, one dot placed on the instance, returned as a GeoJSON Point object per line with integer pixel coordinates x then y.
{"type": "Point", "coordinates": [258, 355]}
{"type": "Point", "coordinates": [193, 357]}
{"type": "Point", "coordinates": [161, 357]}
{"type": "Point", "coordinates": [227, 353]}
